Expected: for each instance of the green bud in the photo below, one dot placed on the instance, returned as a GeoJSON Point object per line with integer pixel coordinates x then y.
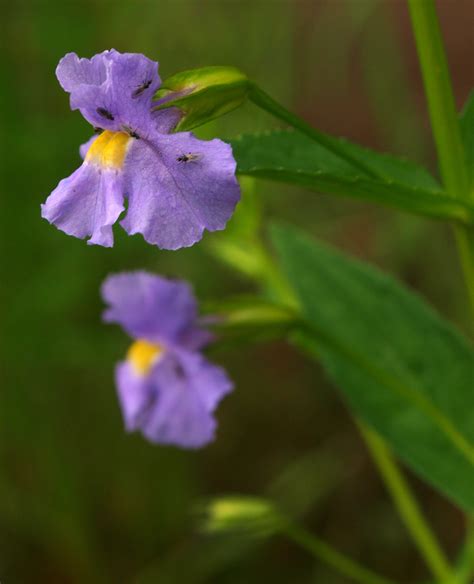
{"type": "Point", "coordinates": [203, 94]}
{"type": "Point", "coordinates": [249, 516]}
{"type": "Point", "coordinates": [255, 312]}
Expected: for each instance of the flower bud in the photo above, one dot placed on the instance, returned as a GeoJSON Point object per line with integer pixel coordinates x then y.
{"type": "Point", "coordinates": [250, 516]}
{"type": "Point", "coordinates": [203, 94]}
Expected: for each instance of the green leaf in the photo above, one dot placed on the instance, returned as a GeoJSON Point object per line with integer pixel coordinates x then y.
{"type": "Point", "coordinates": [467, 129]}
{"type": "Point", "coordinates": [291, 157]}
{"type": "Point", "coordinates": [203, 94]}
{"type": "Point", "coordinates": [400, 366]}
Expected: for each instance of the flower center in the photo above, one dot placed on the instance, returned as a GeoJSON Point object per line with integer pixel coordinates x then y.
{"type": "Point", "coordinates": [109, 149]}
{"type": "Point", "coordinates": [143, 355]}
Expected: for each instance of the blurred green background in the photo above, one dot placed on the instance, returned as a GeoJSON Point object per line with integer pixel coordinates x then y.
{"type": "Point", "coordinates": [81, 501]}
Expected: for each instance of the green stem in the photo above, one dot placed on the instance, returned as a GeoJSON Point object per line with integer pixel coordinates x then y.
{"type": "Point", "coordinates": [465, 245]}
{"type": "Point", "coordinates": [408, 507]}
{"type": "Point", "coordinates": [465, 564]}
{"type": "Point", "coordinates": [444, 121]}
{"type": "Point", "coordinates": [266, 102]}
{"type": "Point", "coordinates": [444, 118]}
{"type": "Point", "coordinates": [333, 558]}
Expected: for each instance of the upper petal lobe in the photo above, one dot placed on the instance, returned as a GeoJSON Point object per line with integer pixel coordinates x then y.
{"type": "Point", "coordinates": [72, 72]}
{"type": "Point", "coordinates": [150, 307]}
{"type": "Point", "coordinates": [112, 90]}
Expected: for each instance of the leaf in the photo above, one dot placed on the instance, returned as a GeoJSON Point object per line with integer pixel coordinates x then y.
{"type": "Point", "coordinates": [467, 129]}
{"type": "Point", "coordinates": [400, 366]}
{"type": "Point", "coordinates": [293, 158]}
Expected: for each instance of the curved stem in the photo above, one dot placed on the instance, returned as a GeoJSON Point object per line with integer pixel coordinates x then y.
{"type": "Point", "coordinates": [266, 102]}
{"type": "Point", "coordinates": [408, 507]}
{"type": "Point", "coordinates": [330, 556]}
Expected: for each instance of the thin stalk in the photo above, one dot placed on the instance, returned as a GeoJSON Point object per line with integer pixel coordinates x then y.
{"type": "Point", "coordinates": [266, 102]}
{"type": "Point", "coordinates": [408, 508]}
{"type": "Point", "coordinates": [465, 564]}
{"type": "Point", "coordinates": [333, 558]}
{"type": "Point", "coordinates": [465, 244]}
{"type": "Point", "coordinates": [444, 121]}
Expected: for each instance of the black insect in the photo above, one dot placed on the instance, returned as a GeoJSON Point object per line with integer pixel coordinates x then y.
{"type": "Point", "coordinates": [130, 132]}
{"type": "Point", "coordinates": [184, 158]}
{"type": "Point", "coordinates": [141, 88]}
{"type": "Point", "coordinates": [98, 130]}
{"type": "Point", "coordinates": [105, 113]}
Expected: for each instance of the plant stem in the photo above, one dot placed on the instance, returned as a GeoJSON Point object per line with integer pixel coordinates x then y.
{"type": "Point", "coordinates": [465, 245]}
{"type": "Point", "coordinates": [266, 102]}
{"type": "Point", "coordinates": [408, 507]}
{"type": "Point", "coordinates": [465, 564]}
{"type": "Point", "coordinates": [330, 556]}
{"type": "Point", "coordinates": [444, 121]}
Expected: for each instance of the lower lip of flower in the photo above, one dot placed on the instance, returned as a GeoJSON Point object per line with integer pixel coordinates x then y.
{"type": "Point", "coordinates": [142, 355]}
{"type": "Point", "coordinates": [109, 149]}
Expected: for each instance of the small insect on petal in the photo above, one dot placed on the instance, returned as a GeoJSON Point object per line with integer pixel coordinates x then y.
{"type": "Point", "coordinates": [105, 113]}
{"type": "Point", "coordinates": [189, 157]}
{"type": "Point", "coordinates": [141, 88]}
{"type": "Point", "coordinates": [131, 132]}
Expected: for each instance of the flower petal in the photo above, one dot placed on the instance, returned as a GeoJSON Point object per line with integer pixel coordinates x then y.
{"type": "Point", "coordinates": [84, 148]}
{"type": "Point", "coordinates": [136, 395]}
{"type": "Point", "coordinates": [164, 121]}
{"type": "Point", "coordinates": [209, 381]}
{"type": "Point", "coordinates": [87, 203]}
{"type": "Point", "coordinates": [194, 339]}
{"type": "Point", "coordinates": [113, 90]}
{"type": "Point", "coordinates": [178, 186]}
{"type": "Point", "coordinates": [73, 72]}
{"type": "Point", "coordinates": [174, 403]}
{"type": "Point", "coordinates": [88, 82]}
{"type": "Point", "coordinates": [134, 79]}
{"type": "Point", "coordinates": [150, 307]}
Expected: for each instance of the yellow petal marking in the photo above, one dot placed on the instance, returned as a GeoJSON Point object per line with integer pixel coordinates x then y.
{"type": "Point", "coordinates": [109, 149]}
{"type": "Point", "coordinates": [142, 355]}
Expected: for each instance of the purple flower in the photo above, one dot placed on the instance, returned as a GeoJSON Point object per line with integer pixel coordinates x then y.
{"type": "Point", "coordinates": [166, 387]}
{"type": "Point", "coordinates": [176, 185]}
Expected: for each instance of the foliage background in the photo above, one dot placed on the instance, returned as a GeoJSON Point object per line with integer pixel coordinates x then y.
{"type": "Point", "coordinates": [79, 499]}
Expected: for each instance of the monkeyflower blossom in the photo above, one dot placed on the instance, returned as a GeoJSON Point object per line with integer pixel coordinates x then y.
{"type": "Point", "coordinates": [175, 185]}
{"type": "Point", "coordinates": [167, 389]}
